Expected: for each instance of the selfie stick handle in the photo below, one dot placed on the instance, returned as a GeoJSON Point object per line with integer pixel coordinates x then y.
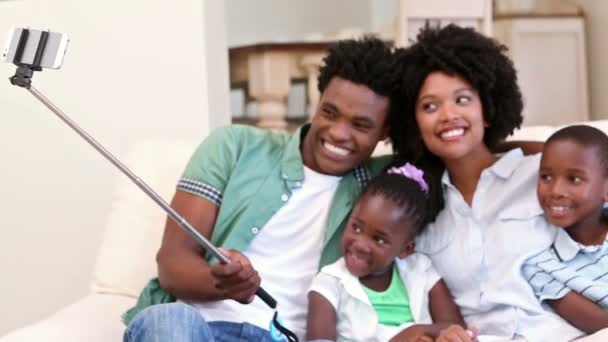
{"type": "Point", "coordinates": [187, 227]}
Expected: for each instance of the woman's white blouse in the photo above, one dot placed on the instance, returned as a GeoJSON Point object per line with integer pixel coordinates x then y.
{"type": "Point", "coordinates": [478, 250]}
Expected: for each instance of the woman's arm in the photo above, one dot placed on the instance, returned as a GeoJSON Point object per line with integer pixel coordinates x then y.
{"type": "Point", "coordinates": [442, 305]}
{"type": "Point", "coordinates": [529, 147]}
{"type": "Point", "coordinates": [322, 318]}
{"type": "Point", "coordinates": [581, 312]}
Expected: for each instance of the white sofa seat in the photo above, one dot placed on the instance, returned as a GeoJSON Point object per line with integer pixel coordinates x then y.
{"type": "Point", "coordinates": [133, 232]}
{"type": "Point", "coordinates": [92, 318]}
{"type": "Point", "coordinates": [126, 259]}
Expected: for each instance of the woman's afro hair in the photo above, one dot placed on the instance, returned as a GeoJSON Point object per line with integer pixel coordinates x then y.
{"type": "Point", "coordinates": [465, 53]}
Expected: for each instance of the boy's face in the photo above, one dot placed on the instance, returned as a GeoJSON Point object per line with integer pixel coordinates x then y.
{"type": "Point", "coordinates": [349, 121]}
{"type": "Point", "coordinates": [376, 233]}
{"type": "Point", "coordinates": [572, 185]}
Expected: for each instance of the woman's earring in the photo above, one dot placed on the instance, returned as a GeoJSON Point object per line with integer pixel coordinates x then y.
{"type": "Point", "coordinates": [605, 212]}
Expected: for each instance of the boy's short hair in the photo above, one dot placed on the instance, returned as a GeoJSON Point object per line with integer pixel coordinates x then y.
{"type": "Point", "coordinates": [586, 136]}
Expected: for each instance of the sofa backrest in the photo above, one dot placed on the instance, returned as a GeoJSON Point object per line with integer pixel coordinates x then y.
{"type": "Point", "coordinates": [541, 133]}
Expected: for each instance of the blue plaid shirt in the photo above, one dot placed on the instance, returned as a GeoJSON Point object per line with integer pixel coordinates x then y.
{"type": "Point", "coordinates": [569, 266]}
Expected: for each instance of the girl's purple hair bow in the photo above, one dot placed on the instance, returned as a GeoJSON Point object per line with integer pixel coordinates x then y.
{"type": "Point", "coordinates": [410, 171]}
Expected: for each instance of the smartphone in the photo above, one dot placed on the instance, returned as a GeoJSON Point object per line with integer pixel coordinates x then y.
{"type": "Point", "coordinates": [54, 49]}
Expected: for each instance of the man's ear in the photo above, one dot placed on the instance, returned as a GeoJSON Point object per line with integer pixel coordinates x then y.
{"type": "Point", "coordinates": [408, 248]}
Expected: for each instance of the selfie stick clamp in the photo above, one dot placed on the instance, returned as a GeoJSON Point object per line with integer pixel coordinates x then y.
{"type": "Point", "coordinates": [23, 78]}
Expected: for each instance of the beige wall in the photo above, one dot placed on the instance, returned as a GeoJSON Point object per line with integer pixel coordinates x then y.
{"type": "Point", "coordinates": [134, 70]}
{"type": "Point", "coordinates": [596, 13]}
{"type": "Point", "coordinates": [280, 20]}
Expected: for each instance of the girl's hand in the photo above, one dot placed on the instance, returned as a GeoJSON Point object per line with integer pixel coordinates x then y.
{"type": "Point", "coordinates": [456, 333]}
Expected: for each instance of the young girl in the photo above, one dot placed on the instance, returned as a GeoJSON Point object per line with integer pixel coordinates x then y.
{"type": "Point", "coordinates": [572, 275]}
{"type": "Point", "coordinates": [381, 288]}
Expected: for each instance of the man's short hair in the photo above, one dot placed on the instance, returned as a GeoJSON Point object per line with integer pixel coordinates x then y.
{"type": "Point", "coordinates": [367, 61]}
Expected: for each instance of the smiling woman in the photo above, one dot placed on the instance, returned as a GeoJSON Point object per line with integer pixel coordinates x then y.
{"type": "Point", "coordinates": [460, 98]}
{"type": "Point", "coordinates": [447, 108]}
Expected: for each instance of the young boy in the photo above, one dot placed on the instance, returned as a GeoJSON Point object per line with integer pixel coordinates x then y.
{"type": "Point", "coordinates": [572, 275]}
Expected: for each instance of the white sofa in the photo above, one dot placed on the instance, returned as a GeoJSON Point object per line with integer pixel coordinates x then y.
{"type": "Point", "coordinates": [126, 260]}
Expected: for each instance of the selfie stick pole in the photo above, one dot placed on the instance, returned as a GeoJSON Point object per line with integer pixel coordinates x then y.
{"type": "Point", "coordinates": [23, 78]}
{"type": "Point", "coordinates": [187, 227]}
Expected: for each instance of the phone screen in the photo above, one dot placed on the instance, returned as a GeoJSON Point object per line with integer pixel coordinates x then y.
{"type": "Point", "coordinates": [52, 56]}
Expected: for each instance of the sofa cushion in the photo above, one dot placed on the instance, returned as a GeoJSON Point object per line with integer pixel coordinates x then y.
{"type": "Point", "coordinates": [94, 318]}
{"type": "Point", "coordinates": [542, 133]}
{"type": "Point", "coordinates": [126, 260]}
{"type": "Point", "coordinates": [532, 133]}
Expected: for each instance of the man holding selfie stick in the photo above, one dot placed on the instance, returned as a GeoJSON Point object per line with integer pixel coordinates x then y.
{"type": "Point", "coordinates": [275, 203]}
